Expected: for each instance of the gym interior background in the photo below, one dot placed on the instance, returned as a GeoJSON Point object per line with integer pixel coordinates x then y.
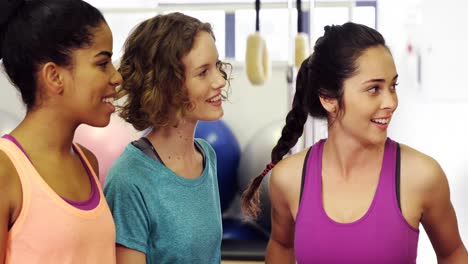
{"type": "Point", "coordinates": [429, 50]}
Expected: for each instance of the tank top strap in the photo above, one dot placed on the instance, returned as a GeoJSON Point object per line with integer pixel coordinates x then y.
{"type": "Point", "coordinates": [386, 192]}
{"type": "Point", "coordinates": [89, 168]}
{"type": "Point", "coordinates": [311, 177]}
{"type": "Point", "coordinates": [23, 168]}
{"type": "Point", "coordinates": [19, 159]}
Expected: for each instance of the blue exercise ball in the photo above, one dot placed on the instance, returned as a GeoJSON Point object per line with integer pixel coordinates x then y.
{"type": "Point", "coordinates": [227, 149]}
{"type": "Point", "coordinates": [237, 229]}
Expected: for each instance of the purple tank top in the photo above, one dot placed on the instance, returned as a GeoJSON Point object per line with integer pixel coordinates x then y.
{"type": "Point", "coordinates": [381, 236]}
{"type": "Point", "coordinates": [94, 197]}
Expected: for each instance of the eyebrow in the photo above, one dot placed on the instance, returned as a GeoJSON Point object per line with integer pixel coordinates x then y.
{"type": "Point", "coordinates": [105, 53]}
{"type": "Point", "coordinates": [379, 80]}
{"type": "Point", "coordinates": [206, 65]}
{"type": "Point", "coordinates": [202, 66]}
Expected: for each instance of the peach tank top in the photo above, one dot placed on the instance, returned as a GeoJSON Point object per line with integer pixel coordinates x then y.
{"type": "Point", "coordinates": [50, 230]}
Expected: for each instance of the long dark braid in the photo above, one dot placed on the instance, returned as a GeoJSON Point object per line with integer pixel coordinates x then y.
{"type": "Point", "coordinates": [291, 132]}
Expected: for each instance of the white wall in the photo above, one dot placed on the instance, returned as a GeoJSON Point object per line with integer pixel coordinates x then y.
{"type": "Point", "coordinates": [10, 99]}
{"type": "Point", "coordinates": [431, 115]}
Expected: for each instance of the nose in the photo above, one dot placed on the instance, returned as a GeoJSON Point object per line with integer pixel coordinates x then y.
{"type": "Point", "coordinates": [390, 100]}
{"type": "Point", "coordinates": [116, 78]}
{"type": "Point", "coordinates": [218, 81]}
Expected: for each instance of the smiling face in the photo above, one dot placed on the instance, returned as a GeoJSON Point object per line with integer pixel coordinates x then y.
{"type": "Point", "coordinates": [203, 79]}
{"type": "Point", "coordinates": [369, 97]}
{"type": "Point", "coordinates": [92, 80]}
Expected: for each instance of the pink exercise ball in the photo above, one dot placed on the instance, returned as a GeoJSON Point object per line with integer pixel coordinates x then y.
{"type": "Point", "coordinates": [107, 143]}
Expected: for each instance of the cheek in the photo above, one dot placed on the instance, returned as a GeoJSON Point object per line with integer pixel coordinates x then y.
{"type": "Point", "coordinates": [195, 100]}
{"type": "Point", "coordinates": [197, 96]}
{"type": "Point", "coordinates": [353, 108]}
{"type": "Point", "coordinates": [194, 90]}
{"type": "Point", "coordinates": [356, 113]}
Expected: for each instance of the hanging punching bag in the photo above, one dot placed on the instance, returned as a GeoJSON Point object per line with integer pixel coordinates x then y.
{"type": "Point", "coordinates": [301, 41]}
{"type": "Point", "coordinates": [258, 64]}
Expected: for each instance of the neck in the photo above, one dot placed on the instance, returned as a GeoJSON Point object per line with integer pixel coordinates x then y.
{"type": "Point", "coordinates": [45, 131]}
{"type": "Point", "coordinates": [174, 143]}
{"type": "Point", "coordinates": [347, 156]}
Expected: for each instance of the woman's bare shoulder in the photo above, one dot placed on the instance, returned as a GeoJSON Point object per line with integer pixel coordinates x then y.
{"type": "Point", "coordinates": [291, 165]}
{"type": "Point", "coordinates": [421, 170]}
{"type": "Point", "coordinates": [10, 187]}
{"type": "Point", "coordinates": [286, 176]}
{"type": "Point", "coordinates": [7, 170]}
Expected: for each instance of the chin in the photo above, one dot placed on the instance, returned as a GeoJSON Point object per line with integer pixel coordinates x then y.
{"type": "Point", "coordinates": [380, 139]}
{"type": "Point", "coordinates": [99, 123]}
{"type": "Point", "coordinates": [209, 119]}
{"type": "Point", "coordinates": [213, 116]}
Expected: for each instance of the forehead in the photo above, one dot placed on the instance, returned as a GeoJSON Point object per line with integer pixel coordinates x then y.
{"type": "Point", "coordinates": [376, 62]}
{"type": "Point", "coordinates": [101, 41]}
{"type": "Point", "coordinates": [102, 37]}
{"type": "Point", "coordinates": [203, 51]}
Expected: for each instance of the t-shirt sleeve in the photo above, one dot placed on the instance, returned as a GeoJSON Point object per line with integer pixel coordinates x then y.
{"type": "Point", "coordinates": [127, 204]}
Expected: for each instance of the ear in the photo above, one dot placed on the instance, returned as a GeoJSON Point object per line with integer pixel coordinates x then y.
{"type": "Point", "coordinates": [52, 77]}
{"type": "Point", "coordinates": [330, 104]}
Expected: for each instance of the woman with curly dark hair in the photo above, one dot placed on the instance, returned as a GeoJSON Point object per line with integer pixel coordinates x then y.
{"type": "Point", "coordinates": [163, 189]}
{"type": "Point", "coordinates": [58, 54]}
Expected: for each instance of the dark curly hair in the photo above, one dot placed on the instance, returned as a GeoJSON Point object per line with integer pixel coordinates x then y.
{"type": "Point", "coordinates": [321, 75]}
{"type": "Point", "coordinates": [35, 32]}
{"type": "Point", "coordinates": [153, 72]}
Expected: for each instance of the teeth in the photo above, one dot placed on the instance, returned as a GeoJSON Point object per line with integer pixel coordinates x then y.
{"type": "Point", "coordinates": [215, 99]}
{"type": "Point", "coordinates": [381, 120]}
{"type": "Point", "coordinates": [109, 100]}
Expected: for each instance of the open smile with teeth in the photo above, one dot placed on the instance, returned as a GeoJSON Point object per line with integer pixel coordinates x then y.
{"type": "Point", "coordinates": [109, 100]}
{"type": "Point", "coordinates": [215, 99]}
{"type": "Point", "coordinates": [382, 121]}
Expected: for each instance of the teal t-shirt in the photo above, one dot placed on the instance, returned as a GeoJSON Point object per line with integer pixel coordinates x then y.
{"type": "Point", "coordinates": [169, 218]}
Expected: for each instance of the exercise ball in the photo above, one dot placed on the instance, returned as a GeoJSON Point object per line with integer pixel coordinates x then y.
{"type": "Point", "coordinates": [7, 122]}
{"type": "Point", "coordinates": [254, 158]}
{"type": "Point", "coordinates": [107, 143]}
{"type": "Point", "coordinates": [236, 229]}
{"type": "Point", "coordinates": [227, 149]}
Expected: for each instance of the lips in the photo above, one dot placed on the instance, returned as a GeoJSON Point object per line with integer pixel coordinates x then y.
{"type": "Point", "coordinates": [382, 121]}
{"type": "Point", "coordinates": [215, 99]}
{"type": "Point", "coordinates": [109, 100]}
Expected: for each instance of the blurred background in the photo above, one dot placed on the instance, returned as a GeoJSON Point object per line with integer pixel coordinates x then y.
{"type": "Point", "coordinates": [426, 37]}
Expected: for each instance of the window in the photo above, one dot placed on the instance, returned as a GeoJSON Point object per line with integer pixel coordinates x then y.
{"type": "Point", "coordinates": [323, 16]}
{"type": "Point", "coordinates": [121, 25]}
{"type": "Point", "coordinates": [274, 28]}
{"type": "Point", "coordinates": [365, 15]}
{"type": "Point", "coordinates": [217, 20]}
{"type": "Point", "coordinates": [234, 20]}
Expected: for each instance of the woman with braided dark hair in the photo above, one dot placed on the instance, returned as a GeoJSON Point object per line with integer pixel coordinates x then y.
{"type": "Point", "coordinates": [356, 196]}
